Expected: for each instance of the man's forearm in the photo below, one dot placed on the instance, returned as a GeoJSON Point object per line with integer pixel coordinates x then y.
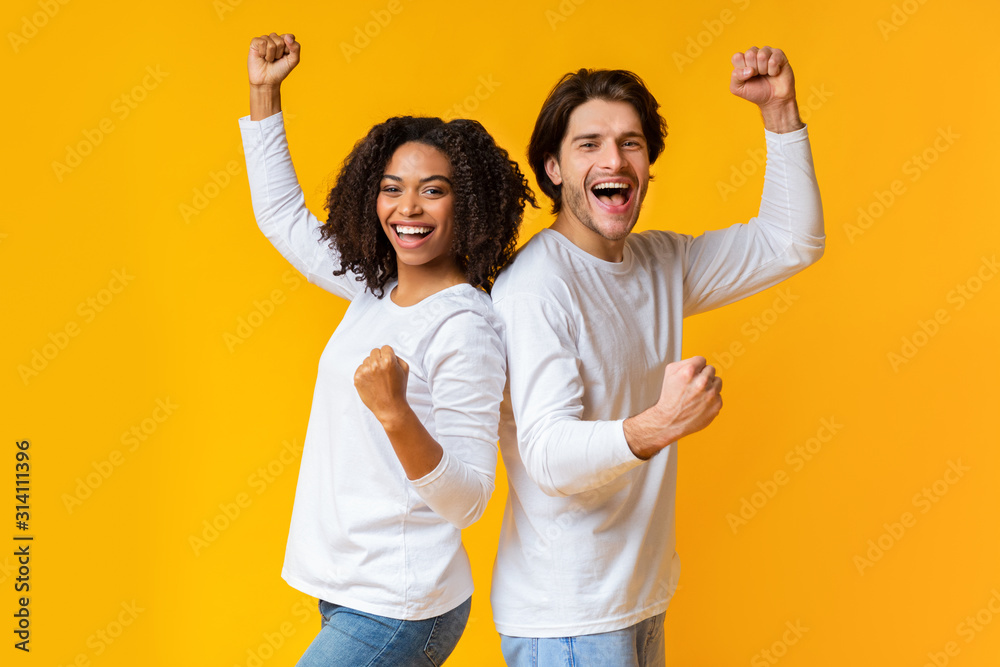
{"type": "Point", "coordinates": [647, 434]}
{"type": "Point", "coordinates": [569, 456]}
{"type": "Point", "coordinates": [782, 118]}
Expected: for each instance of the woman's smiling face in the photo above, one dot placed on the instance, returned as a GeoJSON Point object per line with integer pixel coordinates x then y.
{"type": "Point", "coordinates": [416, 205]}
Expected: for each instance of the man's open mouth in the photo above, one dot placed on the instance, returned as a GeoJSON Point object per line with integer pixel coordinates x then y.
{"type": "Point", "coordinates": [612, 193]}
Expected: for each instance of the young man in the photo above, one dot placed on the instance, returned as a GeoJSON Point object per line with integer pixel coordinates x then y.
{"type": "Point", "coordinates": [586, 564]}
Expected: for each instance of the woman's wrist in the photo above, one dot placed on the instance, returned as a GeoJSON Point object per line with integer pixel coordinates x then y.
{"type": "Point", "coordinates": [397, 419]}
{"type": "Point", "coordinates": [265, 100]}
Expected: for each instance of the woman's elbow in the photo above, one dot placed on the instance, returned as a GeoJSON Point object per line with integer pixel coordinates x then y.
{"type": "Point", "coordinates": [476, 509]}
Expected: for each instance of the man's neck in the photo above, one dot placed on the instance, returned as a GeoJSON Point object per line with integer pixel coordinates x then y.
{"type": "Point", "coordinates": [587, 239]}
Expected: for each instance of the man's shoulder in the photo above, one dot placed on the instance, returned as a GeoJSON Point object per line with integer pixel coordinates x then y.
{"type": "Point", "coordinates": [657, 242]}
{"type": "Point", "coordinates": [547, 266]}
{"type": "Point", "coordinates": [536, 266]}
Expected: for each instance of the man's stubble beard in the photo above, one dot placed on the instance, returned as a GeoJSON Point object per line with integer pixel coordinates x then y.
{"type": "Point", "coordinates": [576, 201]}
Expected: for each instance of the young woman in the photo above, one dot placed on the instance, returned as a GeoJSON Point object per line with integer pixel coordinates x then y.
{"type": "Point", "coordinates": [400, 451]}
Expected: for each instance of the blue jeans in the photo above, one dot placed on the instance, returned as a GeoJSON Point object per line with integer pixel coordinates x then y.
{"type": "Point", "coordinates": [640, 645]}
{"type": "Point", "coordinates": [352, 638]}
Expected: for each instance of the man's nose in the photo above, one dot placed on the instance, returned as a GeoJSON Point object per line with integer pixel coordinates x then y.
{"type": "Point", "coordinates": [611, 158]}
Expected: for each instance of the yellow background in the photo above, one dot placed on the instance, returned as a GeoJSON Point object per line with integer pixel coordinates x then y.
{"type": "Point", "coordinates": [883, 81]}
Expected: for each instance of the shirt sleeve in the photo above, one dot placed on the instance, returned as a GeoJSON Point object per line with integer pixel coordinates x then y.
{"type": "Point", "coordinates": [726, 265]}
{"type": "Point", "coordinates": [562, 453]}
{"type": "Point", "coordinates": [279, 205]}
{"type": "Point", "coordinates": [466, 372]}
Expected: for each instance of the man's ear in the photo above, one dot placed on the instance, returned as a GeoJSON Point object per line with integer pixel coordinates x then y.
{"type": "Point", "coordinates": [552, 169]}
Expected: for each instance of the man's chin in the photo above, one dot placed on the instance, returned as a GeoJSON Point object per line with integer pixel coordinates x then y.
{"type": "Point", "coordinates": [611, 229]}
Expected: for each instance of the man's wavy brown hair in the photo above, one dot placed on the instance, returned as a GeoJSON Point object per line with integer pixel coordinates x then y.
{"type": "Point", "coordinates": [576, 88]}
{"type": "Point", "coordinates": [490, 194]}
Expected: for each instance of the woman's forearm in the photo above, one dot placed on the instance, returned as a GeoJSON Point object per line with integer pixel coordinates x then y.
{"type": "Point", "coordinates": [417, 451]}
{"type": "Point", "coordinates": [265, 100]}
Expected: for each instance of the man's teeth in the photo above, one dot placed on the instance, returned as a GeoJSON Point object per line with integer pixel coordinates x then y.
{"type": "Point", "coordinates": [408, 229]}
{"type": "Point", "coordinates": [613, 193]}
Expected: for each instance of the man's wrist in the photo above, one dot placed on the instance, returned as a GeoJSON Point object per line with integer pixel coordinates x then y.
{"type": "Point", "coordinates": [782, 117]}
{"type": "Point", "coordinates": [645, 434]}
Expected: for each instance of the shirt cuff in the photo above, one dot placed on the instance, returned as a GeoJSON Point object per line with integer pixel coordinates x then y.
{"type": "Point", "coordinates": [433, 475]}
{"type": "Point", "coordinates": [778, 139]}
{"type": "Point", "coordinates": [622, 452]}
{"type": "Point", "coordinates": [270, 121]}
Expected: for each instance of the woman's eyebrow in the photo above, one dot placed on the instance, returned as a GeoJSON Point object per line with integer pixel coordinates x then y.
{"type": "Point", "coordinates": [435, 177]}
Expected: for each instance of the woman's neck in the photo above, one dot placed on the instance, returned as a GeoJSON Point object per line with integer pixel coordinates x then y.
{"type": "Point", "coordinates": [416, 283]}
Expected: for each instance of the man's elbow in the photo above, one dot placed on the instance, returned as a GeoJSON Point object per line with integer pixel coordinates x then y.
{"type": "Point", "coordinates": [808, 251]}
{"type": "Point", "coordinates": [814, 251]}
{"type": "Point", "coordinates": [540, 475]}
{"type": "Point", "coordinates": [539, 453]}
{"type": "Point", "coordinates": [817, 244]}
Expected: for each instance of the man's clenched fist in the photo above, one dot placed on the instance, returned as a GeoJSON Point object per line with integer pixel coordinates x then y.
{"type": "Point", "coordinates": [764, 77]}
{"type": "Point", "coordinates": [690, 398]}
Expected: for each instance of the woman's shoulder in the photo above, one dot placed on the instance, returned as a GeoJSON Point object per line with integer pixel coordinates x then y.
{"type": "Point", "coordinates": [462, 306]}
{"type": "Point", "coordinates": [461, 315]}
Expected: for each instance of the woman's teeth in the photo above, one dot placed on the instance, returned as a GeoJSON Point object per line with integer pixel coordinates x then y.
{"type": "Point", "coordinates": [411, 229]}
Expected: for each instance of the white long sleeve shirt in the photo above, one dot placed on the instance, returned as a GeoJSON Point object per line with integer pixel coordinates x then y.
{"type": "Point", "coordinates": [363, 535]}
{"type": "Point", "coordinates": [587, 543]}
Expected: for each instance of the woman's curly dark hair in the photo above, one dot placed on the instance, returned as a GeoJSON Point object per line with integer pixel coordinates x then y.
{"type": "Point", "coordinates": [490, 194]}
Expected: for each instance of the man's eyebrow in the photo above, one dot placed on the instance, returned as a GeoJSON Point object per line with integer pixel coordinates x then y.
{"type": "Point", "coordinates": [435, 177]}
{"type": "Point", "coordinates": [596, 135]}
